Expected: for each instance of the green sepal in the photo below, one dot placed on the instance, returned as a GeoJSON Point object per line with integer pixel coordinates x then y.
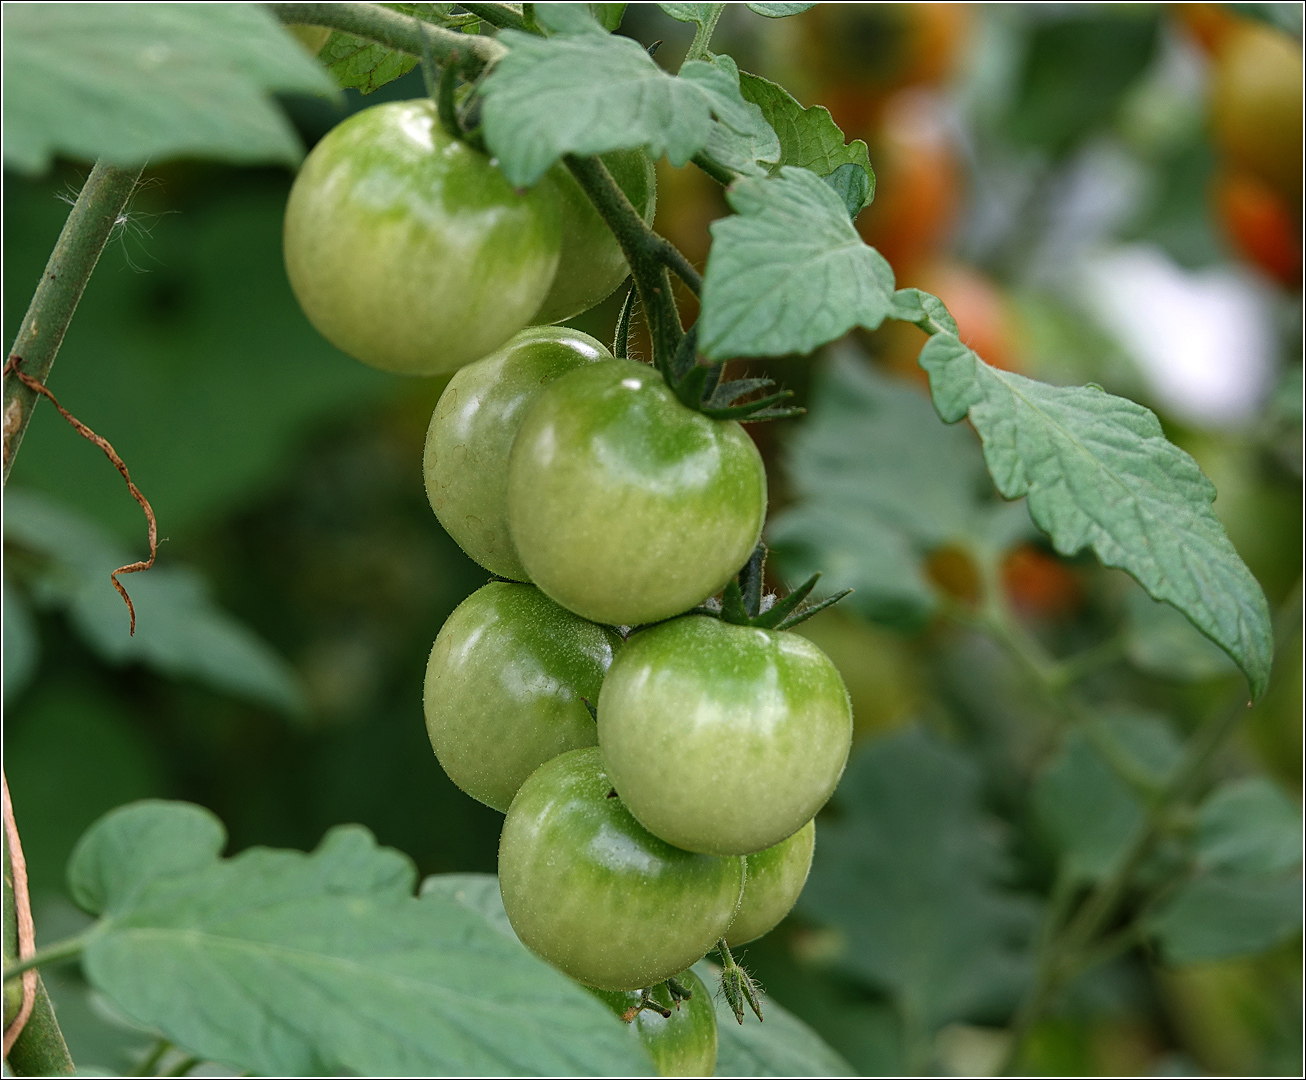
{"type": "Point", "coordinates": [807, 613]}
{"type": "Point", "coordinates": [761, 409]}
{"type": "Point", "coordinates": [770, 619]}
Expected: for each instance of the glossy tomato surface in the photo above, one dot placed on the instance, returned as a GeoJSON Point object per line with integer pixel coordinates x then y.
{"type": "Point", "coordinates": [504, 685]}
{"type": "Point", "coordinates": [591, 891]}
{"type": "Point", "coordinates": [625, 506]}
{"type": "Point", "coordinates": [465, 463]}
{"type": "Point", "coordinates": [723, 739]}
{"type": "Point", "coordinates": [683, 1044]}
{"type": "Point", "coordinates": [591, 264]}
{"type": "Point", "coordinates": [407, 249]}
{"type": "Point", "coordinates": [774, 878]}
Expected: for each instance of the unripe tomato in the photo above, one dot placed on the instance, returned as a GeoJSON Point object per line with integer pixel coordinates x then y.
{"type": "Point", "coordinates": [407, 249]}
{"type": "Point", "coordinates": [504, 685]}
{"type": "Point", "coordinates": [723, 739]}
{"type": "Point", "coordinates": [683, 1044]}
{"type": "Point", "coordinates": [591, 264]}
{"type": "Point", "coordinates": [594, 893]}
{"type": "Point", "coordinates": [772, 882]}
{"type": "Point", "coordinates": [625, 506]}
{"type": "Point", "coordinates": [465, 463]}
{"type": "Point", "coordinates": [1256, 106]}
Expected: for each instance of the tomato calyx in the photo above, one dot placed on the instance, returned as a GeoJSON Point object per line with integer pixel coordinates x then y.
{"type": "Point", "coordinates": [738, 986]}
{"type": "Point", "coordinates": [698, 385]}
{"type": "Point", "coordinates": [743, 602]}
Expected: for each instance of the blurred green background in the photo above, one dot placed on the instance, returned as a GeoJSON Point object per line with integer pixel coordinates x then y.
{"type": "Point", "coordinates": [1078, 185]}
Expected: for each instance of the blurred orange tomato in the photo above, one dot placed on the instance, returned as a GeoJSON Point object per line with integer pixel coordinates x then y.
{"type": "Point", "coordinates": [918, 182]}
{"type": "Point", "coordinates": [1039, 584]}
{"type": "Point", "coordinates": [1260, 225]}
{"type": "Point", "coordinates": [1210, 24]}
{"type": "Point", "coordinates": [1256, 106]}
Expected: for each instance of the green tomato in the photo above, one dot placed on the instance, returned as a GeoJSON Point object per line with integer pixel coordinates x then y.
{"type": "Point", "coordinates": [466, 458]}
{"type": "Point", "coordinates": [723, 739]}
{"type": "Point", "coordinates": [504, 687]}
{"type": "Point", "coordinates": [625, 506]}
{"type": "Point", "coordinates": [591, 264]}
{"type": "Point", "coordinates": [774, 879]}
{"type": "Point", "coordinates": [407, 249]}
{"type": "Point", "coordinates": [685, 1043]}
{"type": "Point", "coordinates": [593, 893]}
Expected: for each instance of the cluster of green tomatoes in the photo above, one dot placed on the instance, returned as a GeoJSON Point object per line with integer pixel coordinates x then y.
{"type": "Point", "coordinates": [621, 689]}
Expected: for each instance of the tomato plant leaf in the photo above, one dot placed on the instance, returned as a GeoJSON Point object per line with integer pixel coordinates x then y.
{"type": "Point", "coordinates": [591, 93]}
{"type": "Point", "coordinates": [787, 272]}
{"type": "Point", "coordinates": [864, 513]}
{"type": "Point", "coordinates": [286, 963]}
{"type": "Point", "coordinates": [180, 632]}
{"type": "Point", "coordinates": [781, 1046]}
{"type": "Point", "coordinates": [909, 872]}
{"type": "Point", "coordinates": [1249, 827]}
{"type": "Point", "coordinates": [1213, 917]}
{"type": "Point", "coordinates": [851, 184]}
{"type": "Point", "coordinates": [363, 65]}
{"type": "Point", "coordinates": [809, 138]}
{"type": "Point", "coordinates": [569, 19]}
{"type": "Point", "coordinates": [779, 11]}
{"type": "Point", "coordinates": [751, 152]}
{"type": "Point", "coordinates": [131, 82]}
{"type": "Point", "coordinates": [608, 15]}
{"type": "Point", "coordinates": [1100, 473]}
{"type": "Point", "coordinates": [695, 13]}
{"type": "Point", "coordinates": [1160, 641]}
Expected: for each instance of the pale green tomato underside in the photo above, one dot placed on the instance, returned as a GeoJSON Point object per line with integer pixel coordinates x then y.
{"type": "Point", "coordinates": [504, 685]}
{"type": "Point", "coordinates": [723, 739]}
{"type": "Point", "coordinates": [408, 250]}
{"type": "Point", "coordinates": [684, 1044]}
{"type": "Point", "coordinates": [591, 264]}
{"type": "Point", "coordinates": [625, 506]}
{"type": "Point", "coordinates": [774, 879]}
{"type": "Point", "coordinates": [594, 894]}
{"type": "Point", "coordinates": [465, 462]}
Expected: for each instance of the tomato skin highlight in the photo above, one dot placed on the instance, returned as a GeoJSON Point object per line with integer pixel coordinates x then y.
{"type": "Point", "coordinates": [625, 506]}
{"type": "Point", "coordinates": [503, 688]}
{"type": "Point", "coordinates": [591, 264]}
{"type": "Point", "coordinates": [465, 460]}
{"type": "Point", "coordinates": [408, 250]}
{"type": "Point", "coordinates": [723, 739]}
{"type": "Point", "coordinates": [772, 883]}
{"type": "Point", "coordinates": [587, 888]}
{"type": "Point", "coordinates": [686, 1043]}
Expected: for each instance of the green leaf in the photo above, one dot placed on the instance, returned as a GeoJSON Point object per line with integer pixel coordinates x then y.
{"type": "Point", "coordinates": [781, 1046]}
{"type": "Point", "coordinates": [1100, 473]}
{"type": "Point", "coordinates": [754, 152]}
{"type": "Point", "coordinates": [1284, 17]}
{"type": "Point", "coordinates": [22, 643]}
{"type": "Point", "coordinates": [852, 185]}
{"type": "Point", "coordinates": [608, 15]}
{"type": "Point", "coordinates": [180, 632]}
{"type": "Point", "coordinates": [1214, 917]}
{"type": "Point", "coordinates": [136, 82]}
{"type": "Point", "coordinates": [695, 13]}
{"type": "Point", "coordinates": [779, 11]}
{"type": "Point", "coordinates": [591, 93]}
{"type": "Point", "coordinates": [363, 65]}
{"type": "Point", "coordinates": [787, 272]}
{"type": "Point", "coordinates": [476, 892]}
{"type": "Point", "coordinates": [1249, 827]}
{"type": "Point", "coordinates": [908, 870]}
{"type": "Point", "coordinates": [1090, 812]}
{"type": "Point", "coordinates": [865, 513]}
{"type": "Point", "coordinates": [568, 19]}
{"type": "Point", "coordinates": [283, 963]}
{"type": "Point", "coordinates": [1160, 641]}
{"type": "Point", "coordinates": [809, 138]}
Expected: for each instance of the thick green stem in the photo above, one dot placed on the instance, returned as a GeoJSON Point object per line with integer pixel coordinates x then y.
{"type": "Point", "coordinates": [645, 251]}
{"type": "Point", "coordinates": [41, 1050]}
{"type": "Point", "coordinates": [98, 209]}
{"type": "Point", "coordinates": [402, 32]}
{"type": "Point", "coordinates": [717, 172]}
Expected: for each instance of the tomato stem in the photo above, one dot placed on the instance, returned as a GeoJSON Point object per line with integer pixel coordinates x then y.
{"type": "Point", "coordinates": [402, 32]}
